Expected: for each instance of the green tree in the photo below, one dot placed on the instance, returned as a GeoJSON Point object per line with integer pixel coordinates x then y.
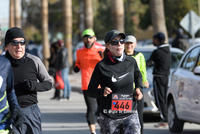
{"type": "Point", "coordinates": [134, 9]}
{"type": "Point", "coordinates": [175, 10]}
{"type": "Point", "coordinates": [102, 18]}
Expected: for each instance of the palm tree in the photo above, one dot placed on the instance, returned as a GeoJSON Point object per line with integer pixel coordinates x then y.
{"type": "Point", "coordinates": [117, 9]}
{"type": "Point", "coordinates": [45, 40]}
{"type": "Point", "coordinates": [158, 17]}
{"type": "Point", "coordinates": [88, 14]}
{"type": "Point", "coordinates": [17, 13]}
{"type": "Point", "coordinates": [11, 15]}
{"type": "Point", "coordinates": [67, 13]}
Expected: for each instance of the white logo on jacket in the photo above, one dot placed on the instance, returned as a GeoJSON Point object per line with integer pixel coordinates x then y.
{"type": "Point", "coordinates": [113, 79]}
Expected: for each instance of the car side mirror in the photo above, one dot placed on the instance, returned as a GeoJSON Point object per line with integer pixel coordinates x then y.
{"type": "Point", "coordinates": [197, 70]}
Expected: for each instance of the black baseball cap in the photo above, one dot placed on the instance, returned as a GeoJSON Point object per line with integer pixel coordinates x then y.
{"type": "Point", "coordinates": [112, 34]}
{"type": "Point", "coordinates": [160, 36]}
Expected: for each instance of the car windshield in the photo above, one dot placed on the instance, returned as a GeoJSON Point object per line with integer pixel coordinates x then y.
{"type": "Point", "coordinates": [175, 58]}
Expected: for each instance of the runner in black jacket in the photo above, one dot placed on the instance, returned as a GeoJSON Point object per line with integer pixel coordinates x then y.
{"type": "Point", "coordinates": [161, 59]}
{"type": "Point", "coordinates": [116, 74]}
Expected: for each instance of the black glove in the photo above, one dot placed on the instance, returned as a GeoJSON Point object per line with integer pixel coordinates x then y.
{"type": "Point", "coordinates": [27, 85]}
{"type": "Point", "coordinates": [100, 53]}
{"type": "Point", "coordinates": [149, 63]}
{"type": "Point", "coordinates": [17, 116]}
{"type": "Point", "coordinates": [76, 69]}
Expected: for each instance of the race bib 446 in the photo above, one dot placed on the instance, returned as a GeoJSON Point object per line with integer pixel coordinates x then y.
{"type": "Point", "coordinates": [122, 102]}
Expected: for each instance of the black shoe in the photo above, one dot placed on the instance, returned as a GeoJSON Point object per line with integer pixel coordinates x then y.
{"type": "Point", "coordinates": [55, 98]}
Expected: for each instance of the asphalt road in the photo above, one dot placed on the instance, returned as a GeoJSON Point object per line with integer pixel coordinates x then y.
{"type": "Point", "coordinates": [69, 117]}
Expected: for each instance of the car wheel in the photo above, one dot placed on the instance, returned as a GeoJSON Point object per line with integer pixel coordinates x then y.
{"type": "Point", "coordinates": [175, 125]}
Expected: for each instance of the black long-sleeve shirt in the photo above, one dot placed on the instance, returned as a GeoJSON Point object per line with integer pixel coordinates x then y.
{"type": "Point", "coordinates": [29, 67]}
{"type": "Point", "coordinates": [62, 60]}
{"type": "Point", "coordinates": [161, 59]}
{"type": "Point", "coordinates": [119, 77]}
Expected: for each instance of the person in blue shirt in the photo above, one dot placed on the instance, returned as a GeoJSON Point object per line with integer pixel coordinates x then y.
{"type": "Point", "coordinates": [10, 112]}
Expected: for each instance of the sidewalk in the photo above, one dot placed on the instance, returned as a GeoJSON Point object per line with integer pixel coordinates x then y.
{"type": "Point", "coordinates": [66, 117]}
{"type": "Point", "coordinates": [75, 81]}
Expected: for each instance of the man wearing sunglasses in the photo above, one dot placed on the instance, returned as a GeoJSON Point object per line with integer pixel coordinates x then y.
{"type": "Point", "coordinates": [30, 77]}
{"type": "Point", "coordinates": [87, 58]}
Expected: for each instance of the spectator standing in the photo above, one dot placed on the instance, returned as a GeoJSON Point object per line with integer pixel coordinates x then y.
{"type": "Point", "coordinates": [30, 77]}
{"type": "Point", "coordinates": [160, 59]}
{"type": "Point", "coordinates": [52, 69]}
{"type": "Point", "coordinates": [116, 74]}
{"type": "Point", "coordinates": [62, 63]}
{"type": "Point", "coordinates": [180, 41]}
{"type": "Point", "coordinates": [130, 44]}
{"type": "Point", "coordinates": [154, 40]}
{"type": "Point", "coordinates": [31, 48]}
{"type": "Point", "coordinates": [87, 57]}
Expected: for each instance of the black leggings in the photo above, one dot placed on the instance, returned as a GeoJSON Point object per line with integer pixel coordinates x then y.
{"type": "Point", "coordinates": [91, 104]}
{"type": "Point", "coordinates": [140, 107]}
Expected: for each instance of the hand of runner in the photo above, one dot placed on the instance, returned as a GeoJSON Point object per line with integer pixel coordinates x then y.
{"type": "Point", "coordinates": [146, 85]}
{"type": "Point", "coordinates": [107, 91]}
{"type": "Point", "coordinates": [139, 94]}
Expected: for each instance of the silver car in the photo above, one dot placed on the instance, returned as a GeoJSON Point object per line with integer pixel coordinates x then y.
{"type": "Point", "coordinates": [183, 96]}
{"type": "Point", "coordinates": [149, 102]}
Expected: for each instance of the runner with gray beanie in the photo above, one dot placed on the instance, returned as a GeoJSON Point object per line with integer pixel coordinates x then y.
{"type": "Point", "coordinates": [130, 44]}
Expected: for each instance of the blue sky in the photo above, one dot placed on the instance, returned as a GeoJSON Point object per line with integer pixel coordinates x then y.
{"type": "Point", "coordinates": [4, 9]}
{"type": "Point", "coordinates": [4, 12]}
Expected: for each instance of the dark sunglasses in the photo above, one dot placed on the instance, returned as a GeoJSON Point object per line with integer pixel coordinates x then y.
{"type": "Point", "coordinates": [86, 37]}
{"type": "Point", "coordinates": [116, 42]}
{"type": "Point", "coordinates": [15, 43]}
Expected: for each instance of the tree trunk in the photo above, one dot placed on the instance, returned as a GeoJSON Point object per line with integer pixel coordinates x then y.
{"type": "Point", "coordinates": [67, 13]}
{"type": "Point", "coordinates": [12, 14]}
{"type": "Point", "coordinates": [158, 17]}
{"type": "Point", "coordinates": [17, 14]}
{"type": "Point", "coordinates": [45, 39]}
{"type": "Point", "coordinates": [117, 9]}
{"type": "Point", "coordinates": [88, 14]}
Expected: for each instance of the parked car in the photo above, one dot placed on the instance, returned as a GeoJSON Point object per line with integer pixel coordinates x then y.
{"type": "Point", "coordinates": [183, 96]}
{"type": "Point", "coordinates": [149, 102]}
